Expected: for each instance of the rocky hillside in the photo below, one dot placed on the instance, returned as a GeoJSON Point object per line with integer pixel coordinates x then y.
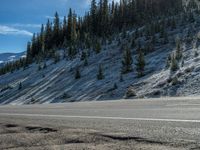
{"type": "Point", "coordinates": [67, 80]}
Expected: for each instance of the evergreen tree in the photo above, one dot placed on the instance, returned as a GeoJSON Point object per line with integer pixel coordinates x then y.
{"type": "Point", "coordinates": [100, 75]}
{"type": "Point", "coordinates": [56, 57]}
{"type": "Point", "coordinates": [56, 30]}
{"type": "Point", "coordinates": [64, 30]}
{"type": "Point", "coordinates": [174, 64]}
{"type": "Point", "coordinates": [74, 27]}
{"type": "Point", "coordinates": [20, 86]}
{"type": "Point", "coordinates": [98, 47]}
{"type": "Point", "coordinates": [48, 37]}
{"type": "Point", "coordinates": [127, 61]}
{"type": "Point", "coordinates": [72, 51]}
{"type": "Point", "coordinates": [93, 12]}
{"type": "Point", "coordinates": [70, 26]}
{"type": "Point", "coordinates": [77, 74]}
{"type": "Point", "coordinates": [105, 18]}
{"type": "Point", "coordinates": [29, 55]}
{"type": "Point", "coordinates": [140, 65]}
{"type": "Point", "coordinates": [179, 51]}
{"type": "Point", "coordinates": [121, 78]}
{"type": "Point", "coordinates": [86, 61]}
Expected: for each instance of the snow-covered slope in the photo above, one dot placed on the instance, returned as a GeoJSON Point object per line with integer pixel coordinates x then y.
{"type": "Point", "coordinates": [56, 82]}
{"type": "Point", "coordinates": [8, 57]}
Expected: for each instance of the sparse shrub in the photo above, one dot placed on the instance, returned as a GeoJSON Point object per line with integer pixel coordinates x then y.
{"type": "Point", "coordinates": [130, 92]}
{"type": "Point", "coordinates": [182, 63]}
{"type": "Point", "coordinates": [168, 62]}
{"type": "Point", "coordinates": [179, 74]}
{"type": "Point", "coordinates": [20, 86]}
{"type": "Point", "coordinates": [86, 62]}
{"type": "Point", "coordinates": [100, 75]}
{"type": "Point", "coordinates": [179, 49]}
{"type": "Point", "coordinates": [169, 80]}
{"type": "Point", "coordinates": [45, 66]}
{"type": "Point", "coordinates": [33, 101]}
{"type": "Point", "coordinates": [65, 96]}
{"type": "Point", "coordinates": [39, 67]}
{"type": "Point", "coordinates": [115, 86]}
{"type": "Point", "coordinates": [175, 80]}
{"type": "Point", "coordinates": [56, 58]}
{"type": "Point", "coordinates": [156, 93]}
{"type": "Point", "coordinates": [83, 55]}
{"type": "Point", "coordinates": [77, 74]}
{"type": "Point", "coordinates": [174, 63]}
{"type": "Point", "coordinates": [189, 69]}
{"type": "Point", "coordinates": [196, 54]}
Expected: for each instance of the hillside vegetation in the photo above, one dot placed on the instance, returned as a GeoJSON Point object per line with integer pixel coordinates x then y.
{"type": "Point", "coordinates": [135, 48]}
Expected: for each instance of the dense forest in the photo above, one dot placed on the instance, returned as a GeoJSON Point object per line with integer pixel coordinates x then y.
{"type": "Point", "coordinates": [73, 34]}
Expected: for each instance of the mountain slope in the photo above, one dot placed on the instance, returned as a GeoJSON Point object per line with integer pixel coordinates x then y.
{"type": "Point", "coordinates": [56, 81]}
{"type": "Point", "coordinates": [8, 57]}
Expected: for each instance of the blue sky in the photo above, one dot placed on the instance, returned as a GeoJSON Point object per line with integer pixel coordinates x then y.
{"type": "Point", "coordinates": [20, 18]}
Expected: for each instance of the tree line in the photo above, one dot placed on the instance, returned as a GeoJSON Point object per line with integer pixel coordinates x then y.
{"type": "Point", "coordinates": [74, 33]}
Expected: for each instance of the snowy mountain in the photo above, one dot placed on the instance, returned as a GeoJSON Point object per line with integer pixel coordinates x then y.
{"type": "Point", "coordinates": [8, 57]}
{"type": "Point", "coordinates": [50, 82]}
{"type": "Point", "coordinates": [160, 58]}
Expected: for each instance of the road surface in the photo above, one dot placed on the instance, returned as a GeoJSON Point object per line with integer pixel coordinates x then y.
{"type": "Point", "coordinates": [168, 123]}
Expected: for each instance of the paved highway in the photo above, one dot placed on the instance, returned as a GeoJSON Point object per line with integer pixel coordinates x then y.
{"type": "Point", "coordinates": [173, 122]}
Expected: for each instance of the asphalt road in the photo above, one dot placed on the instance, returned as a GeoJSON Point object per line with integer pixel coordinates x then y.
{"type": "Point", "coordinates": [175, 121]}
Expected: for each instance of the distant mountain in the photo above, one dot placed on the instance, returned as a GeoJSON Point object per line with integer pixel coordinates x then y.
{"type": "Point", "coordinates": [8, 57]}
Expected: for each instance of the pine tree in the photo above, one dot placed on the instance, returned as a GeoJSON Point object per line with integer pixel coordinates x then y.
{"type": "Point", "coordinates": [20, 86]}
{"type": "Point", "coordinates": [127, 61]}
{"type": "Point", "coordinates": [41, 40]}
{"type": "Point", "coordinates": [39, 67]}
{"type": "Point", "coordinates": [56, 30]}
{"type": "Point", "coordinates": [100, 75]}
{"type": "Point", "coordinates": [83, 55]}
{"type": "Point", "coordinates": [64, 30]}
{"type": "Point", "coordinates": [86, 61]}
{"type": "Point", "coordinates": [98, 47]}
{"type": "Point", "coordinates": [72, 51]}
{"type": "Point", "coordinates": [174, 64]}
{"type": "Point", "coordinates": [34, 46]}
{"type": "Point", "coordinates": [70, 26]}
{"type": "Point", "coordinates": [48, 37]}
{"type": "Point", "coordinates": [56, 57]}
{"type": "Point", "coordinates": [140, 65]}
{"type": "Point", "coordinates": [29, 55]}
{"type": "Point", "coordinates": [115, 86]}
{"type": "Point", "coordinates": [74, 27]}
{"type": "Point", "coordinates": [93, 12]}
{"type": "Point", "coordinates": [105, 18]}
{"type": "Point", "coordinates": [179, 52]}
{"type": "Point", "coordinates": [77, 74]}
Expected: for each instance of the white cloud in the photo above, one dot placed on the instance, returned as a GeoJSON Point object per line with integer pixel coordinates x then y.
{"type": "Point", "coordinates": [52, 17]}
{"type": "Point", "coordinates": [6, 30]}
{"type": "Point", "coordinates": [26, 25]}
